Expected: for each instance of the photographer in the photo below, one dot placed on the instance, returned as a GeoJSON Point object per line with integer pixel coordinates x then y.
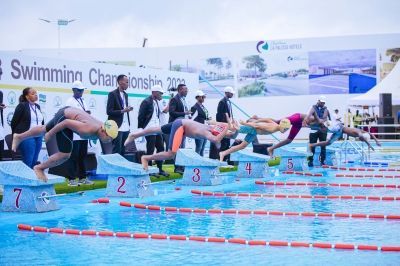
{"type": "Point", "coordinates": [118, 110]}
{"type": "Point", "coordinates": [178, 109]}
{"type": "Point", "coordinates": [202, 116]}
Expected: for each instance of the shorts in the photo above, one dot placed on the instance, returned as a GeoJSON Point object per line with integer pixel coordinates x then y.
{"type": "Point", "coordinates": [250, 131]}
{"type": "Point", "coordinates": [176, 135]}
{"type": "Point", "coordinates": [64, 138]}
{"type": "Point", "coordinates": [166, 129]}
{"type": "Point", "coordinates": [297, 124]}
{"type": "Point", "coordinates": [336, 132]}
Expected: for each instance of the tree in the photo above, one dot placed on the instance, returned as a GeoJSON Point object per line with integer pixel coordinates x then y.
{"type": "Point", "coordinates": [228, 65]}
{"type": "Point", "coordinates": [395, 54]}
{"type": "Point", "coordinates": [219, 64]}
{"type": "Point", "coordinates": [214, 62]}
{"type": "Point", "coordinates": [255, 61]}
{"type": "Point", "coordinates": [176, 68]}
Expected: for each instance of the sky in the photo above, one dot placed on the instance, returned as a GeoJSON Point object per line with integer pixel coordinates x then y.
{"type": "Point", "coordinates": [123, 23]}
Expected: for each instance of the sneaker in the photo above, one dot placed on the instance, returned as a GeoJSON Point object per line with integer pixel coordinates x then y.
{"type": "Point", "coordinates": [155, 175]}
{"type": "Point", "coordinates": [73, 183]}
{"type": "Point", "coordinates": [163, 173]}
{"type": "Point", "coordinates": [85, 181]}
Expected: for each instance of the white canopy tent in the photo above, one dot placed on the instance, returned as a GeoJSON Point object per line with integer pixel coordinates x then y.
{"type": "Point", "coordinates": [390, 84]}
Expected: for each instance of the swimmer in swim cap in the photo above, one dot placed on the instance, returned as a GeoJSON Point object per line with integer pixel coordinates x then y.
{"type": "Point", "coordinates": [65, 122]}
{"type": "Point", "coordinates": [180, 128]}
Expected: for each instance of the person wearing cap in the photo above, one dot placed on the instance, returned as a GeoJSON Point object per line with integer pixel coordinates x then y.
{"type": "Point", "coordinates": [225, 106]}
{"type": "Point", "coordinates": [149, 116]}
{"type": "Point", "coordinates": [118, 110]}
{"type": "Point", "coordinates": [322, 112]}
{"type": "Point", "coordinates": [202, 116]}
{"type": "Point", "coordinates": [77, 160]}
{"type": "Point", "coordinates": [64, 123]}
{"type": "Point", "coordinates": [252, 129]}
{"type": "Point", "coordinates": [357, 119]}
{"type": "Point", "coordinates": [336, 119]}
{"type": "Point", "coordinates": [178, 109]}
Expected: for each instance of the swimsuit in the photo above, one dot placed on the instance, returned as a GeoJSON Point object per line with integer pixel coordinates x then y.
{"type": "Point", "coordinates": [250, 131]}
{"type": "Point", "coordinates": [176, 135]}
{"type": "Point", "coordinates": [64, 137]}
{"type": "Point", "coordinates": [296, 122]}
{"type": "Point", "coordinates": [336, 132]}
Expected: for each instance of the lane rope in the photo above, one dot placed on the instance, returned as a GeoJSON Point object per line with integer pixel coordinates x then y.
{"type": "Point", "coordinates": [242, 241]}
{"type": "Point", "coordinates": [276, 183]}
{"type": "Point", "coordinates": [366, 176]}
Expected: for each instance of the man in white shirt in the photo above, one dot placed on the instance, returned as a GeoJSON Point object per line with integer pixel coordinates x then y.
{"type": "Point", "coordinates": [336, 117]}
{"type": "Point", "coordinates": [77, 160]}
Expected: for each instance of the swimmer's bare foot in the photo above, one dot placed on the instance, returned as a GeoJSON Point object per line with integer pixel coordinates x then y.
{"type": "Point", "coordinates": [145, 163]}
{"type": "Point", "coordinates": [221, 157]}
{"type": "Point", "coordinates": [270, 152]}
{"type": "Point", "coordinates": [15, 142]}
{"type": "Point", "coordinates": [130, 138]}
{"type": "Point", "coordinates": [40, 173]}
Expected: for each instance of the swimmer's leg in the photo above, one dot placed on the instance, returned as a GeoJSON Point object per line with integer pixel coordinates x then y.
{"type": "Point", "coordinates": [239, 147]}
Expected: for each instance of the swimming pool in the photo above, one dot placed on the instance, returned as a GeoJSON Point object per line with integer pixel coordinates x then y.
{"type": "Point", "coordinates": [292, 217]}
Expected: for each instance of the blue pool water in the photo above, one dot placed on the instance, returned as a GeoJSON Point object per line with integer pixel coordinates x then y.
{"type": "Point", "coordinates": [77, 212]}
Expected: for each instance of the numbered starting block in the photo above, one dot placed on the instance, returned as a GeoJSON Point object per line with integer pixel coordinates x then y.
{"type": "Point", "coordinates": [292, 159]}
{"type": "Point", "coordinates": [330, 159]}
{"type": "Point", "coordinates": [125, 179]}
{"type": "Point", "coordinates": [24, 192]}
{"type": "Point", "coordinates": [251, 164]}
{"type": "Point", "coordinates": [199, 171]}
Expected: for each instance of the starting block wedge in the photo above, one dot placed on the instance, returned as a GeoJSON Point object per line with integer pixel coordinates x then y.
{"type": "Point", "coordinates": [251, 164]}
{"type": "Point", "coordinates": [292, 159]}
{"type": "Point", "coordinates": [125, 179]}
{"type": "Point", "coordinates": [24, 192]}
{"type": "Point", "coordinates": [199, 171]}
{"type": "Point", "coordinates": [330, 159]}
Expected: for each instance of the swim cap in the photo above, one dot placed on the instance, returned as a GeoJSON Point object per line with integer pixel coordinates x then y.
{"type": "Point", "coordinates": [366, 136]}
{"type": "Point", "coordinates": [217, 129]}
{"type": "Point", "coordinates": [111, 128]}
{"type": "Point", "coordinates": [328, 124]}
{"type": "Point", "coordinates": [285, 123]}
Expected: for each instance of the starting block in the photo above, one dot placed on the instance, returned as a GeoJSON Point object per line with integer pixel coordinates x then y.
{"type": "Point", "coordinates": [292, 159]}
{"type": "Point", "coordinates": [330, 159]}
{"type": "Point", "coordinates": [24, 192]}
{"type": "Point", "coordinates": [251, 164]}
{"type": "Point", "coordinates": [125, 179]}
{"type": "Point", "coordinates": [199, 171]}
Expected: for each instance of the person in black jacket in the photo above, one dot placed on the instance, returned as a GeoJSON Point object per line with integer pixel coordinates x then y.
{"type": "Point", "coordinates": [118, 110]}
{"type": "Point", "coordinates": [149, 116]}
{"type": "Point", "coordinates": [28, 115]}
{"type": "Point", "coordinates": [178, 109]}
{"type": "Point", "coordinates": [2, 106]}
{"type": "Point", "coordinates": [224, 106]}
{"type": "Point", "coordinates": [202, 115]}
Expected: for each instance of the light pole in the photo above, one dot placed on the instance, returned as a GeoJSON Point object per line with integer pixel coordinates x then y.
{"type": "Point", "coordinates": [59, 22]}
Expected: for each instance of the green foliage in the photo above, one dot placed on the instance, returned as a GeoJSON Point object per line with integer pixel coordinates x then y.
{"type": "Point", "coordinates": [176, 68]}
{"type": "Point", "coordinates": [252, 89]}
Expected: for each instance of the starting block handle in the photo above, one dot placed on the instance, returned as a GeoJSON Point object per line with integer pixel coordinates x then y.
{"type": "Point", "coordinates": [52, 196]}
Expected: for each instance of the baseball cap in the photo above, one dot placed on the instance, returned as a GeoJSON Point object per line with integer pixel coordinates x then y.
{"type": "Point", "coordinates": [285, 123]}
{"type": "Point", "coordinates": [322, 99]}
{"type": "Point", "coordinates": [229, 89]}
{"type": "Point", "coordinates": [199, 93]}
{"type": "Point", "coordinates": [157, 88]}
{"type": "Point", "coordinates": [111, 128]}
{"type": "Point", "coordinates": [78, 85]}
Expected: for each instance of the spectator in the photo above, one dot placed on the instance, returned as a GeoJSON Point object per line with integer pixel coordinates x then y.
{"type": "Point", "coordinates": [149, 116]}
{"type": "Point", "coordinates": [224, 106]}
{"type": "Point", "coordinates": [2, 106]}
{"type": "Point", "coordinates": [398, 114]}
{"type": "Point", "coordinates": [319, 134]}
{"type": "Point", "coordinates": [348, 118]}
{"type": "Point", "coordinates": [336, 119]}
{"type": "Point", "coordinates": [202, 115]}
{"type": "Point", "coordinates": [164, 108]}
{"type": "Point", "coordinates": [178, 109]}
{"type": "Point", "coordinates": [118, 110]}
{"type": "Point", "coordinates": [28, 115]}
{"type": "Point", "coordinates": [357, 119]}
{"type": "Point", "coordinates": [77, 159]}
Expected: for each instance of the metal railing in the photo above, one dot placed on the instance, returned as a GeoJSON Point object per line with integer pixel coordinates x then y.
{"type": "Point", "coordinates": [364, 155]}
{"type": "Point", "coordinates": [380, 125]}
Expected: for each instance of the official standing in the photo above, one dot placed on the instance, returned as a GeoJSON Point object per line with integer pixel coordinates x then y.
{"type": "Point", "coordinates": [178, 109]}
{"type": "Point", "coordinates": [77, 160]}
{"type": "Point", "coordinates": [149, 116]}
{"type": "Point", "coordinates": [118, 110]}
{"type": "Point", "coordinates": [319, 134]}
{"type": "Point", "coordinates": [225, 106]}
{"type": "Point", "coordinates": [202, 115]}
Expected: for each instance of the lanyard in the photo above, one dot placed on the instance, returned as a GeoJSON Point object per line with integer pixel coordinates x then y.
{"type": "Point", "coordinates": [205, 110]}
{"type": "Point", "coordinates": [229, 108]}
{"type": "Point", "coordinates": [34, 110]}
{"type": "Point", "coordinates": [155, 104]}
{"type": "Point", "coordinates": [184, 104]}
{"type": "Point", "coordinates": [319, 111]}
{"type": "Point", "coordinates": [122, 100]}
{"type": "Point", "coordinates": [80, 103]}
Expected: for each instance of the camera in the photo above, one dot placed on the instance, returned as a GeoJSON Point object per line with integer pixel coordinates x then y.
{"type": "Point", "coordinates": [171, 91]}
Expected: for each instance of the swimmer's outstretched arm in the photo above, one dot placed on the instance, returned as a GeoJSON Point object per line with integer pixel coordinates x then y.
{"type": "Point", "coordinates": [265, 120]}
{"type": "Point", "coordinates": [76, 126]}
{"type": "Point", "coordinates": [270, 128]}
{"type": "Point", "coordinates": [218, 138]}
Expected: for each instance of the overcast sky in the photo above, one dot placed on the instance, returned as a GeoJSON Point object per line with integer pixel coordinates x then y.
{"type": "Point", "coordinates": [119, 23]}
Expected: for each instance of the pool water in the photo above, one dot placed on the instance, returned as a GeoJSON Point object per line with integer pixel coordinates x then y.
{"type": "Point", "coordinates": [78, 212]}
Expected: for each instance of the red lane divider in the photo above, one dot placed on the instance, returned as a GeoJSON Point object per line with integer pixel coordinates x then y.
{"type": "Point", "coordinates": [240, 241]}
{"type": "Point", "coordinates": [274, 183]}
{"type": "Point", "coordinates": [301, 173]}
{"type": "Point", "coordinates": [367, 175]}
{"type": "Point", "coordinates": [284, 196]}
{"type": "Point", "coordinates": [263, 212]}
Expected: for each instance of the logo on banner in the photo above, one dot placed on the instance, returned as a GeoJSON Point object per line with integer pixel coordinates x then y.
{"type": "Point", "coordinates": [105, 101]}
{"type": "Point", "coordinates": [290, 58]}
{"type": "Point", "coordinates": [42, 98]}
{"type": "Point", "coordinates": [277, 45]}
{"type": "Point", "coordinates": [9, 118]}
{"type": "Point", "coordinates": [264, 47]}
{"type": "Point", "coordinates": [57, 101]}
{"type": "Point", "coordinates": [92, 103]}
{"type": "Point", "coordinates": [11, 97]}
